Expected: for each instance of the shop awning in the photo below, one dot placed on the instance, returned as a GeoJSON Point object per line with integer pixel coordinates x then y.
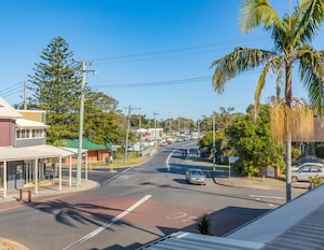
{"type": "Point", "coordinates": [32, 152]}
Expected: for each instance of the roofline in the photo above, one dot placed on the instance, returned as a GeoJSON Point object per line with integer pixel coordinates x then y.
{"type": "Point", "coordinates": [32, 110]}
{"type": "Point", "coordinates": [241, 227]}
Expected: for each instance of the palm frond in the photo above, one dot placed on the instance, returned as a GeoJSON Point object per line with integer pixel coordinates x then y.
{"type": "Point", "coordinates": [260, 87]}
{"type": "Point", "coordinates": [311, 14]}
{"type": "Point", "coordinates": [312, 74]}
{"type": "Point", "coordinates": [240, 60]}
{"type": "Point", "coordinates": [258, 12]}
{"type": "Point", "coordinates": [275, 65]}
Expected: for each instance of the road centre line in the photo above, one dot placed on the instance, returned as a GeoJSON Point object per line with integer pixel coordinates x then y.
{"type": "Point", "coordinates": [108, 225]}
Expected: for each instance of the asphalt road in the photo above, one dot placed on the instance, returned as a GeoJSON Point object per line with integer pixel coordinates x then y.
{"type": "Point", "coordinates": [133, 207]}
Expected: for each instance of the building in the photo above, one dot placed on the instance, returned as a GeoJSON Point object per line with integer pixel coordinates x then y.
{"type": "Point", "coordinates": [25, 159]}
{"type": "Point", "coordinates": [96, 153]}
{"type": "Point", "coordinates": [150, 134]}
{"type": "Point", "coordinates": [297, 225]}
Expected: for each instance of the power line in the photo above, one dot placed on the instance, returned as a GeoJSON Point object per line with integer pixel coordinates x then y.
{"type": "Point", "coordinates": [11, 92]}
{"type": "Point", "coordinates": [10, 89]}
{"type": "Point", "coordinates": [137, 56]}
{"type": "Point", "coordinates": [155, 52]}
{"type": "Point", "coordinates": [154, 83]}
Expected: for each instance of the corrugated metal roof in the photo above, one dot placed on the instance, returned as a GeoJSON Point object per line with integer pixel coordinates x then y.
{"type": "Point", "coordinates": [272, 225]}
{"type": "Point", "coordinates": [190, 241]}
{"type": "Point", "coordinates": [87, 144]}
{"type": "Point", "coordinates": [307, 234]}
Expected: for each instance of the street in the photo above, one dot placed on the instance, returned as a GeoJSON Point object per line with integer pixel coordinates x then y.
{"type": "Point", "coordinates": [133, 207]}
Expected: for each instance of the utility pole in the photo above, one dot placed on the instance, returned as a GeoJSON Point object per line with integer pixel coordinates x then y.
{"type": "Point", "coordinates": [84, 72]}
{"type": "Point", "coordinates": [198, 129]}
{"type": "Point", "coordinates": [127, 133]}
{"type": "Point", "coordinates": [214, 141]}
{"type": "Point", "coordinates": [129, 111]}
{"type": "Point", "coordinates": [155, 127]}
{"type": "Point", "coordinates": [179, 125]}
{"type": "Point", "coordinates": [139, 121]}
{"type": "Point", "coordinates": [25, 95]}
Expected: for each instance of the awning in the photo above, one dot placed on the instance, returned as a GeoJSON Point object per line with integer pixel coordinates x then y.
{"type": "Point", "coordinates": [23, 123]}
{"type": "Point", "coordinates": [32, 152]}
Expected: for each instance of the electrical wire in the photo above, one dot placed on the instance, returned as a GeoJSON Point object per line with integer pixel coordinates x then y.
{"type": "Point", "coordinates": [154, 83]}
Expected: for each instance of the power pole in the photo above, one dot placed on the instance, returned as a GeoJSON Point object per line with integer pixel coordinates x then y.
{"type": "Point", "coordinates": [214, 141]}
{"type": "Point", "coordinates": [179, 126]}
{"type": "Point", "coordinates": [198, 129]}
{"type": "Point", "coordinates": [127, 133]}
{"type": "Point", "coordinates": [84, 72]}
{"type": "Point", "coordinates": [25, 95]}
{"type": "Point", "coordinates": [139, 121]}
{"type": "Point", "coordinates": [155, 127]}
{"type": "Point", "coordinates": [129, 111]}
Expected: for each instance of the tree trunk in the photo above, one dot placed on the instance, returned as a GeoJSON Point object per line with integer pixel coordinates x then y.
{"type": "Point", "coordinates": [288, 134]}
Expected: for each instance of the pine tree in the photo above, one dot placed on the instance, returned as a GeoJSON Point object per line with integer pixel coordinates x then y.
{"type": "Point", "coordinates": [55, 85]}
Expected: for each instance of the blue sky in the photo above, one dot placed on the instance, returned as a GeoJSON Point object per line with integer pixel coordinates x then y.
{"type": "Point", "coordinates": [110, 28]}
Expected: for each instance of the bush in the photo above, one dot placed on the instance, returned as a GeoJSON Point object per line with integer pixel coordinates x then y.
{"type": "Point", "coordinates": [204, 225]}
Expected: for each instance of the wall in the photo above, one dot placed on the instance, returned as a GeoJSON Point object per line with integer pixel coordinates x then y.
{"type": "Point", "coordinates": [29, 142]}
{"type": "Point", "coordinates": [34, 115]}
{"type": "Point", "coordinates": [6, 132]}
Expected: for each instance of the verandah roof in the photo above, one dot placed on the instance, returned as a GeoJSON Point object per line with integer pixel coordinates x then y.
{"type": "Point", "coordinates": [32, 152]}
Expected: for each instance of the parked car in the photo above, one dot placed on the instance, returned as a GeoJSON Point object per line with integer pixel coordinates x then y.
{"type": "Point", "coordinates": [305, 172]}
{"type": "Point", "coordinates": [196, 176]}
{"type": "Point", "coordinates": [307, 164]}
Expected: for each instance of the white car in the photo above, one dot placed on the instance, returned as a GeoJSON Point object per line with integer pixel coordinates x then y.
{"type": "Point", "coordinates": [307, 164]}
{"type": "Point", "coordinates": [306, 172]}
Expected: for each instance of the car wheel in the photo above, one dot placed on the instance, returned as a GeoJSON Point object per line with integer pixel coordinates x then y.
{"type": "Point", "coordinates": [294, 179]}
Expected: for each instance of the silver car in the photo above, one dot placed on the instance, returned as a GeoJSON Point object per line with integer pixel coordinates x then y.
{"type": "Point", "coordinates": [305, 172]}
{"type": "Point", "coordinates": [196, 176]}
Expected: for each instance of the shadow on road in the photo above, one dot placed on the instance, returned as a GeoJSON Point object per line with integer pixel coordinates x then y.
{"type": "Point", "coordinates": [119, 247]}
{"type": "Point", "coordinates": [70, 214]}
{"type": "Point", "coordinates": [183, 187]}
{"type": "Point", "coordinates": [223, 221]}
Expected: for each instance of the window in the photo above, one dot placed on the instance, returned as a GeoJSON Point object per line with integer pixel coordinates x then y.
{"type": "Point", "coordinates": [30, 133]}
{"type": "Point", "coordinates": [305, 170]}
{"type": "Point", "coordinates": [316, 170]}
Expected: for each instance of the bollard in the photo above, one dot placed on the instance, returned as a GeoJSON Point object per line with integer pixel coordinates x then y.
{"type": "Point", "coordinates": [29, 195]}
{"type": "Point", "coordinates": [20, 195]}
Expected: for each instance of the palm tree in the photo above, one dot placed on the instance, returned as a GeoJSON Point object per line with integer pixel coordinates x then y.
{"type": "Point", "coordinates": [292, 35]}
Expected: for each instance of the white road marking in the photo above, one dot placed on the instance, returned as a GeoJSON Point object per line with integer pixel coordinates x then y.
{"type": "Point", "coordinates": [177, 216]}
{"type": "Point", "coordinates": [108, 225]}
{"type": "Point", "coordinates": [114, 177]}
{"type": "Point", "coordinates": [168, 159]}
{"type": "Point", "coordinates": [267, 197]}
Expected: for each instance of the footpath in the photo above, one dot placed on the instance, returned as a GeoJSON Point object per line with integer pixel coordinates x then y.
{"type": "Point", "coordinates": [221, 177]}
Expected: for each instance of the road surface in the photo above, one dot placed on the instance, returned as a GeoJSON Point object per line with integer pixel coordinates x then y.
{"type": "Point", "coordinates": [134, 207]}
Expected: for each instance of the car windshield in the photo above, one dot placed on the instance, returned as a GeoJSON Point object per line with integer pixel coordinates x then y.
{"type": "Point", "coordinates": [197, 173]}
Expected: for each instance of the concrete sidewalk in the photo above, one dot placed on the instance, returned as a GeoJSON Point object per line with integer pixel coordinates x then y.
{"type": "Point", "coordinates": [221, 178]}
{"type": "Point", "coordinates": [45, 192]}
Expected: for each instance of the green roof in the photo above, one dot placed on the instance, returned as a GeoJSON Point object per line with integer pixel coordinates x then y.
{"type": "Point", "coordinates": [87, 144]}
